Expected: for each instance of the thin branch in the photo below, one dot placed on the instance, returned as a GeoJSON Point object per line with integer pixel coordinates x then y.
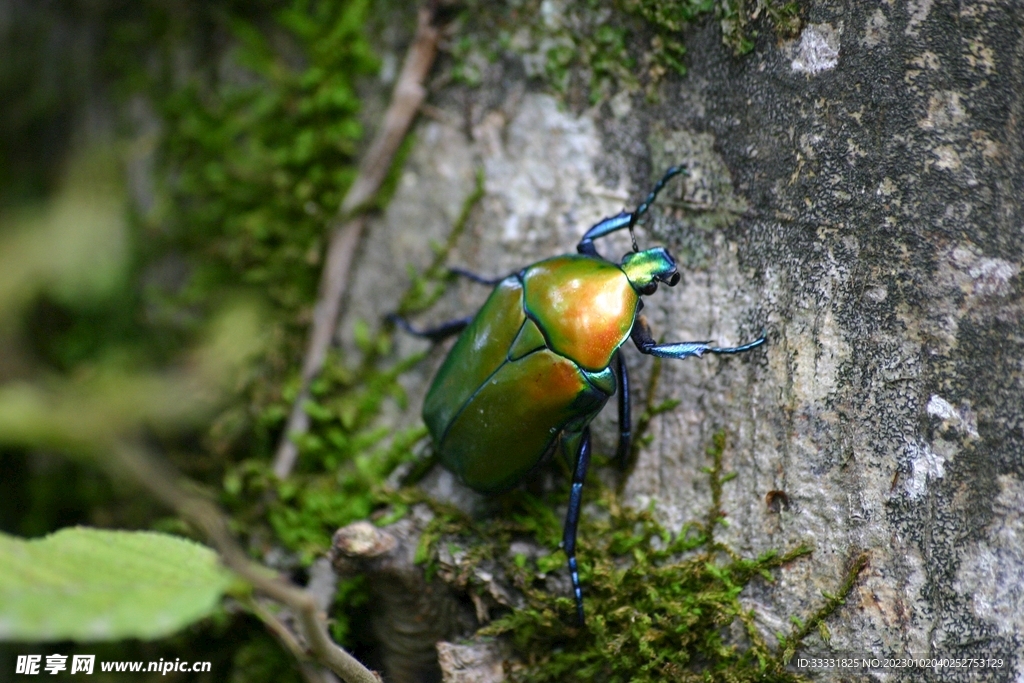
{"type": "Point", "coordinates": [162, 482]}
{"type": "Point", "coordinates": [406, 99]}
{"type": "Point", "coordinates": [277, 627]}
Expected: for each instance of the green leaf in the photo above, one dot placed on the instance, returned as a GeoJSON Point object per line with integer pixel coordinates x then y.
{"type": "Point", "coordinates": [93, 584]}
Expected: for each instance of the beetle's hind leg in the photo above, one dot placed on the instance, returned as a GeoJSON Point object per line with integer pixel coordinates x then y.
{"type": "Point", "coordinates": [434, 334]}
{"type": "Point", "coordinates": [423, 461]}
{"type": "Point", "coordinates": [452, 327]}
{"type": "Point", "coordinates": [572, 515]}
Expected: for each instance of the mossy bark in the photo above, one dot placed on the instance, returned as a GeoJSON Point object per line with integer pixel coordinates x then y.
{"type": "Point", "coordinates": [857, 192]}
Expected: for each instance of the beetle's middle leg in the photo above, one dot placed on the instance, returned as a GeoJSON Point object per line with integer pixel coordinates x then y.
{"type": "Point", "coordinates": [572, 515]}
{"type": "Point", "coordinates": [644, 340]}
{"type": "Point", "coordinates": [434, 334]}
{"type": "Point", "coordinates": [625, 411]}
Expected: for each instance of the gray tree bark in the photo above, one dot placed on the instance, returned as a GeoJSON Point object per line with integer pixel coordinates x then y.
{"type": "Point", "coordinates": [857, 192]}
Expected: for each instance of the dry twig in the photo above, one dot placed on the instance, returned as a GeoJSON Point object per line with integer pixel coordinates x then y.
{"type": "Point", "coordinates": [406, 99]}
{"type": "Point", "coordinates": [162, 482]}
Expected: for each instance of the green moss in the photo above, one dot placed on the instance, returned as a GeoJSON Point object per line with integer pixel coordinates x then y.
{"type": "Point", "coordinates": [737, 16]}
{"type": "Point", "coordinates": [589, 47]}
{"type": "Point", "coordinates": [662, 604]}
{"type": "Point", "coordinates": [257, 160]}
{"type": "Point", "coordinates": [576, 48]}
{"type": "Point", "coordinates": [258, 146]}
{"type": "Point", "coordinates": [670, 19]}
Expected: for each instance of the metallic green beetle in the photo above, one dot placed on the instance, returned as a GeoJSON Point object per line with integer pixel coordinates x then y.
{"type": "Point", "coordinates": [539, 361]}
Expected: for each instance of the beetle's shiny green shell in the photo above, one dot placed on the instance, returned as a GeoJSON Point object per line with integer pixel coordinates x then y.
{"type": "Point", "coordinates": [532, 364]}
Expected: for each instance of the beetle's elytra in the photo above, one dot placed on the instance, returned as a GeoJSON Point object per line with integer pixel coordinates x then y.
{"type": "Point", "coordinates": [541, 358]}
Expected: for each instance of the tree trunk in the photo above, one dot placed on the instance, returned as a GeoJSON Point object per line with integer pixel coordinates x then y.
{"type": "Point", "coordinates": [855, 192]}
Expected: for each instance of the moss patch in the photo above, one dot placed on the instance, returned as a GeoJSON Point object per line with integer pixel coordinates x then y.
{"type": "Point", "coordinates": [661, 604]}
{"type": "Point", "coordinates": [591, 46]}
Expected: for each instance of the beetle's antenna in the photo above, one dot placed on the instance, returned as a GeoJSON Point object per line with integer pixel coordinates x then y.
{"type": "Point", "coordinates": [646, 203]}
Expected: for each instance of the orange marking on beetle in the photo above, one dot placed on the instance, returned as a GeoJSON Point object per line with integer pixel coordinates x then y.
{"type": "Point", "coordinates": [554, 383]}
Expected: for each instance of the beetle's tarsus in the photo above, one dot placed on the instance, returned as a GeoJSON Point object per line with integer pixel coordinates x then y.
{"type": "Point", "coordinates": [739, 349]}
{"type": "Point", "coordinates": [644, 340]}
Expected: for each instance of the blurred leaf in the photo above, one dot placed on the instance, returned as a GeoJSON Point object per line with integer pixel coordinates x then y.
{"type": "Point", "coordinates": [74, 247]}
{"type": "Point", "coordinates": [101, 404]}
{"type": "Point", "coordinates": [92, 584]}
{"type": "Point", "coordinates": [235, 335]}
{"type": "Point", "coordinates": [91, 412]}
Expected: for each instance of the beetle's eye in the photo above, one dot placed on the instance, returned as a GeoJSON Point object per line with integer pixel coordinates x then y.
{"type": "Point", "coordinates": [649, 289]}
{"type": "Point", "coordinates": [673, 279]}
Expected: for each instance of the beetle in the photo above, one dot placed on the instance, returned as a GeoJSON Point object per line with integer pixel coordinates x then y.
{"type": "Point", "coordinates": [541, 358]}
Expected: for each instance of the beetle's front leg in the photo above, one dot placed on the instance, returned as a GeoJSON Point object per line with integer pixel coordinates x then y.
{"type": "Point", "coordinates": [625, 219]}
{"type": "Point", "coordinates": [572, 516]}
{"type": "Point", "coordinates": [605, 227]}
{"type": "Point", "coordinates": [644, 340]}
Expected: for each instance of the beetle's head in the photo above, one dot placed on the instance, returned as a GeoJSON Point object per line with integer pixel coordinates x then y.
{"type": "Point", "coordinates": [645, 269]}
